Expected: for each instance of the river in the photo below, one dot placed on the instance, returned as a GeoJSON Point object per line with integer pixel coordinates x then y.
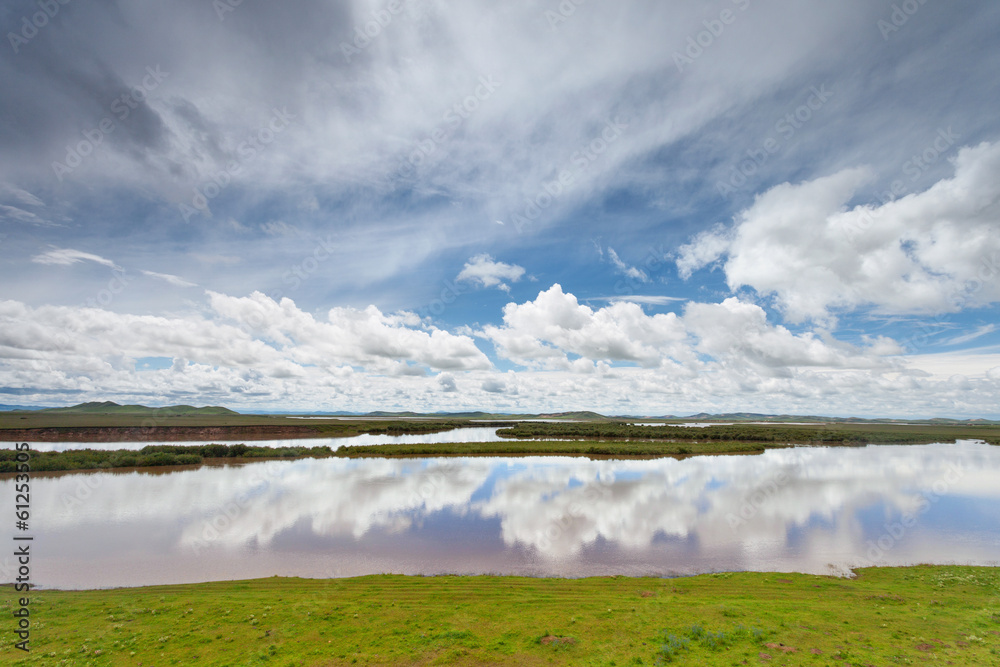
{"type": "Point", "coordinates": [808, 509]}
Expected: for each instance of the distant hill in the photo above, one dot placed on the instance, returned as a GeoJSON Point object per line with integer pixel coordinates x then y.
{"type": "Point", "coordinates": [488, 415]}
{"type": "Point", "coordinates": [777, 419]}
{"type": "Point", "coordinates": [110, 407]}
{"type": "Point", "coordinates": [584, 414]}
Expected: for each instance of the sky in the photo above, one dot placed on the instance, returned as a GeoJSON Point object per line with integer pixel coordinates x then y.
{"type": "Point", "coordinates": [637, 208]}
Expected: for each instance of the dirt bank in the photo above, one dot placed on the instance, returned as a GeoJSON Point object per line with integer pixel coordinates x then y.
{"type": "Point", "coordinates": [158, 433]}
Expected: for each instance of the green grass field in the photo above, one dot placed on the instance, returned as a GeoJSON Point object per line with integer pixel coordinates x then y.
{"type": "Point", "coordinates": [886, 616]}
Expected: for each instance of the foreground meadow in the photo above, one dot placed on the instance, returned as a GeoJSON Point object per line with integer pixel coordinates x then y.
{"type": "Point", "coordinates": [884, 616]}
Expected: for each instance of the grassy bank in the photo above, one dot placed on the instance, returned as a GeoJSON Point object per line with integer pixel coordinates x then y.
{"type": "Point", "coordinates": [886, 616]}
{"type": "Point", "coordinates": [179, 455]}
{"type": "Point", "coordinates": [822, 434]}
{"type": "Point", "coordinates": [151, 456]}
{"type": "Point", "coordinates": [555, 448]}
{"type": "Point", "coordinates": [95, 427]}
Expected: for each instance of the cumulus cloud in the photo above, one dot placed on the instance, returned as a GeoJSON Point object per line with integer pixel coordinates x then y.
{"type": "Point", "coordinates": [545, 331]}
{"type": "Point", "coordinates": [932, 251]}
{"type": "Point", "coordinates": [367, 337]}
{"type": "Point", "coordinates": [447, 382]}
{"type": "Point", "coordinates": [555, 328]}
{"type": "Point", "coordinates": [486, 272]}
{"type": "Point", "coordinates": [245, 342]}
{"type": "Point", "coordinates": [254, 351]}
{"type": "Point", "coordinates": [704, 249]}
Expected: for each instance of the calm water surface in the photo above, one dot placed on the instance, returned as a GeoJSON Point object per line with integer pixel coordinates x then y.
{"type": "Point", "coordinates": [818, 510]}
{"type": "Point", "coordinates": [471, 434]}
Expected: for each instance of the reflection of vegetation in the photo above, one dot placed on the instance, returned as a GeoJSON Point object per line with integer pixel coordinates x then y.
{"type": "Point", "coordinates": [168, 455]}
{"type": "Point", "coordinates": [554, 447]}
{"type": "Point", "coordinates": [822, 434]}
{"type": "Point", "coordinates": [945, 615]}
{"type": "Point", "coordinates": [153, 455]}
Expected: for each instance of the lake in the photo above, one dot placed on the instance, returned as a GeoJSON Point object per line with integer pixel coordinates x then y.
{"type": "Point", "coordinates": [807, 509]}
{"type": "Point", "coordinates": [465, 434]}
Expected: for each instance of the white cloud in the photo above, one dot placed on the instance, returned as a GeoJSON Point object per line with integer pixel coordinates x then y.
{"type": "Point", "coordinates": [13, 193]}
{"type": "Point", "coordinates": [555, 327]}
{"type": "Point", "coordinates": [704, 249]}
{"type": "Point", "coordinates": [625, 269]}
{"type": "Point", "coordinates": [933, 251]}
{"type": "Point", "coordinates": [555, 324]}
{"type": "Point", "coordinates": [255, 352]}
{"type": "Point", "coordinates": [280, 228]}
{"type": "Point", "coordinates": [16, 214]}
{"type": "Point", "coordinates": [172, 279]}
{"type": "Point", "coordinates": [67, 256]}
{"type": "Point", "coordinates": [984, 330]}
{"type": "Point", "coordinates": [482, 269]}
{"type": "Point", "coordinates": [366, 337]}
{"type": "Point", "coordinates": [447, 382]}
{"type": "Point", "coordinates": [650, 300]}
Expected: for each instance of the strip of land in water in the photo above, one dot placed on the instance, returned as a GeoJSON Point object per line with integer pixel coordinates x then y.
{"type": "Point", "coordinates": [76, 427]}
{"type": "Point", "coordinates": [884, 616]}
{"type": "Point", "coordinates": [605, 439]}
{"type": "Point", "coordinates": [818, 434]}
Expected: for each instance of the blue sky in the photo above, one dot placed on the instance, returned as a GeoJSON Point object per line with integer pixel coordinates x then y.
{"type": "Point", "coordinates": [636, 208]}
